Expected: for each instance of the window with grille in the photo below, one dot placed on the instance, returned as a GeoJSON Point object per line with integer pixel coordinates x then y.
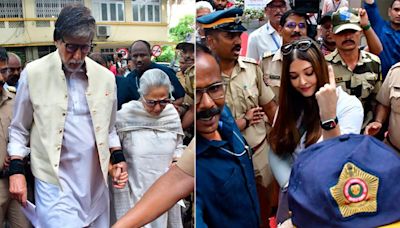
{"type": "Point", "coordinates": [11, 9]}
{"type": "Point", "coordinates": [108, 10]}
{"type": "Point", "coordinates": [146, 10]}
{"type": "Point", "coordinates": [51, 8]}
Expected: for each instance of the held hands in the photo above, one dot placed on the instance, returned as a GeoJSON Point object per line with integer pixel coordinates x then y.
{"type": "Point", "coordinates": [255, 115]}
{"type": "Point", "coordinates": [373, 128]}
{"type": "Point", "coordinates": [119, 174]}
{"type": "Point", "coordinates": [18, 188]}
{"type": "Point", "coordinates": [327, 98]}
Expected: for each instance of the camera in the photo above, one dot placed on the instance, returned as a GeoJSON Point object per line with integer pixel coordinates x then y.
{"type": "Point", "coordinates": [119, 55]}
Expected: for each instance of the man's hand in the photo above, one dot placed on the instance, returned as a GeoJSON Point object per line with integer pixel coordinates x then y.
{"type": "Point", "coordinates": [18, 188]}
{"type": "Point", "coordinates": [373, 128]}
{"type": "Point", "coordinates": [364, 21]}
{"type": "Point", "coordinates": [255, 115]}
{"type": "Point", "coordinates": [119, 174]}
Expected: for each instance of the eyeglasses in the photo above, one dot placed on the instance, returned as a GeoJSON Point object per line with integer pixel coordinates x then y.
{"type": "Point", "coordinates": [301, 45]}
{"type": "Point", "coordinates": [71, 48]}
{"type": "Point", "coordinates": [4, 70]}
{"type": "Point", "coordinates": [215, 91]}
{"type": "Point", "coordinates": [292, 25]}
{"type": "Point", "coordinates": [153, 103]}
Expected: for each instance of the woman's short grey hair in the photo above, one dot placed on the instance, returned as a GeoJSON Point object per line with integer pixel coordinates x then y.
{"type": "Point", "coordinates": [204, 5]}
{"type": "Point", "coordinates": [154, 78]}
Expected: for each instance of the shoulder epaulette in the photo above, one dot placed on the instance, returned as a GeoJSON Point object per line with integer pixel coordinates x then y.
{"type": "Point", "coordinates": [268, 54]}
{"type": "Point", "coordinates": [373, 57]}
{"type": "Point", "coordinates": [248, 60]}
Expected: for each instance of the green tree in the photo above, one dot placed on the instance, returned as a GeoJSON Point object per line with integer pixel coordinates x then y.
{"type": "Point", "coordinates": [167, 54]}
{"type": "Point", "coordinates": [183, 29]}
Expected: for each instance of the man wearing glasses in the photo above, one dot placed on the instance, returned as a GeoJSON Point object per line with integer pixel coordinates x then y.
{"type": "Point", "coordinates": [266, 38]}
{"type": "Point", "coordinates": [226, 193]}
{"type": "Point", "coordinates": [65, 111]}
{"type": "Point", "coordinates": [292, 26]}
{"type": "Point", "coordinates": [247, 96]}
{"type": "Point", "coordinates": [9, 208]}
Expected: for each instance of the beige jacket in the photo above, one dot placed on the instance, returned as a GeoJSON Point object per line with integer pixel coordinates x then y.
{"type": "Point", "coordinates": [48, 94]}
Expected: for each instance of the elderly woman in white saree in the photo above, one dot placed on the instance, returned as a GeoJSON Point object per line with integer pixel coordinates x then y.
{"type": "Point", "coordinates": [151, 136]}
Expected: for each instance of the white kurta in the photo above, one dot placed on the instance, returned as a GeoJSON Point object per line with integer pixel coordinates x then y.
{"type": "Point", "coordinates": [149, 145]}
{"type": "Point", "coordinates": [84, 199]}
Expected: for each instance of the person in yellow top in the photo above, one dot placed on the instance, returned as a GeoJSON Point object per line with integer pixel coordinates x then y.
{"type": "Point", "coordinates": [251, 102]}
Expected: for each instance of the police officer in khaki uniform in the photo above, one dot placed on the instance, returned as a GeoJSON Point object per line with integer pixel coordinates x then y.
{"type": "Point", "coordinates": [247, 96]}
{"type": "Point", "coordinates": [9, 208]}
{"type": "Point", "coordinates": [388, 106]}
{"type": "Point", "coordinates": [292, 26]}
{"type": "Point", "coordinates": [357, 71]}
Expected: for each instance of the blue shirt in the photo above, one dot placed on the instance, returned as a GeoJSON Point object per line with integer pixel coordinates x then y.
{"type": "Point", "coordinates": [389, 38]}
{"type": "Point", "coordinates": [225, 187]}
{"type": "Point", "coordinates": [127, 87]}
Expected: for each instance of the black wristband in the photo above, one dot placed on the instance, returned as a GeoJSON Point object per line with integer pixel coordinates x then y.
{"type": "Point", "coordinates": [17, 166]}
{"type": "Point", "coordinates": [117, 156]}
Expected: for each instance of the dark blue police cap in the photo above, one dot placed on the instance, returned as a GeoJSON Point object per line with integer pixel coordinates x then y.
{"type": "Point", "coordinates": [347, 181]}
{"type": "Point", "coordinates": [228, 20]}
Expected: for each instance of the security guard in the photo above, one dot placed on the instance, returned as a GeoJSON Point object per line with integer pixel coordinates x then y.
{"type": "Point", "coordinates": [292, 27]}
{"type": "Point", "coordinates": [247, 96]}
{"type": "Point", "coordinates": [357, 71]}
{"type": "Point", "coordinates": [388, 107]}
{"type": "Point", "coordinates": [186, 78]}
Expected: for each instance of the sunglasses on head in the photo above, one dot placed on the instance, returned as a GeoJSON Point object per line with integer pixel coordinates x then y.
{"type": "Point", "coordinates": [71, 48]}
{"type": "Point", "coordinates": [301, 45]}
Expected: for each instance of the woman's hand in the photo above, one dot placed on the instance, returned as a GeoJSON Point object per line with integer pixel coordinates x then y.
{"type": "Point", "coordinates": [327, 98]}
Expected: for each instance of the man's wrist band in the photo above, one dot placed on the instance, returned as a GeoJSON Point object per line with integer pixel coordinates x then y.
{"type": "Point", "coordinates": [117, 156]}
{"type": "Point", "coordinates": [366, 27]}
{"type": "Point", "coordinates": [17, 166]}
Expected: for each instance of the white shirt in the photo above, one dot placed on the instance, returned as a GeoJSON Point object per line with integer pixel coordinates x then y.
{"type": "Point", "coordinates": [265, 38]}
{"type": "Point", "coordinates": [350, 114]}
{"type": "Point", "coordinates": [83, 195]}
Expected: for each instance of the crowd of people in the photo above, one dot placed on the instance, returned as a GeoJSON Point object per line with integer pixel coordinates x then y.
{"type": "Point", "coordinates": [83, 139]}
{"type": "Point", "coordinates": [261, 117]}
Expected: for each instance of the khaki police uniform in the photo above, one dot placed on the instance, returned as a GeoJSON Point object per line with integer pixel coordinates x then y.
{"type": "Point", "coordinates": [389, 96]}
{"type": "Point", "coordinates": [9, 208]}
{"type": "Point", "coordinates": [363, 82]}
{"type": "Point", "coordinates": [271, 66]}
{"type": "Point", "coordinates": [246, 90]}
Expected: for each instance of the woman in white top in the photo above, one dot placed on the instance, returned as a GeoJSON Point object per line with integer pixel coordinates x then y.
{"type": "Point", "coordinates": [311, 108]}
{"type": "Point", "coordinates": [151, 137]}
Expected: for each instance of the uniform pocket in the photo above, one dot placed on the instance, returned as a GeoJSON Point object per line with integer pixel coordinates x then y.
{"type": "Point", "coordinates": [395, 98]}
